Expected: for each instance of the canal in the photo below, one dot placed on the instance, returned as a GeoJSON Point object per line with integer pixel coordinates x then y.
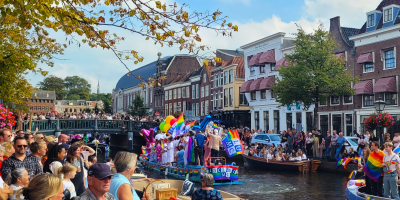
{"type": "Point", "coordinates": [278, 184]}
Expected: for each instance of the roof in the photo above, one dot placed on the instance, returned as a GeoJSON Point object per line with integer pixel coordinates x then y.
{"type": "Point", "coordinates": [380, 7]}
{"type": "Point", "coordinates": [240, 66]}
{"type": "Point", "coordinates": [348, 32]}
{"type": "Point", "coordinates": [145, 72]}
{"type": "Point", "coordinates": [287, 43]}
{"type": "Point", "coordinates": [75, 102]}
{"type": "Point", "coordinates": [43, 94]}
{"type": "Point", "coordinates": [233, 53]}
{"type": "Point", "coordinates": [197, 72]}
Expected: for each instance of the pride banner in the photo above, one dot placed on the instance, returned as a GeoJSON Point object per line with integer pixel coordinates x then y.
{"type": "Point", "coordinates": [232, 144]}
{"type": "Point", "coordinates": [223, 172]}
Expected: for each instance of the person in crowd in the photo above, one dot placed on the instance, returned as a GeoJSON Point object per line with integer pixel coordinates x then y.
{"type": "Point", "coordinates": [269, 156]}
{"type": "Point", "coordinates": [121, 187]}
{"type": "Point", "coordinates": [320, 146]}
{"type": "Point", "coordinates": [99, 181]}
{"type": "Point", "coordinates": [55, 158]}
{"type": "Point", "coordinates": [48, 140]}
{"type": "Point", "coordinates": [5, 135]}
{"type": "Point", "coordinates": [327, 144]}
{"type": "Point", "coordinates": [309, 143]}
{"type": "Point", "coordinates": [352, 153]}
{"type": "Point", "coordinates": [38, 149]}
{"type": "Point", "coordinates": [19, 179]}
{"type": "Point", "coordinates": [361, 144]}
{"type": "Point", "coordinates": [376, 186]}
{"type": "Point", "coordinates": [43, 186]}
{"type": "Point", "coordinates": [68, 172]}
{"type": "Point", "coordinates": [391, 167]}
{"type": "Point", "coordinates": [5, 190]}
{"type": "Point", "coordinates": [179, 157]}
{"type": "Point", "coordinates": [29, 138]}
{"type": "Point", "coordinates": [290, 141]}
{"type": "Point", "coordinates": [333, 143]}
{"type": "Point", "coordinates": [396, 140]}
{"type": "Point", "coordinates": [207, 146]}
{"type": "Point", "coordinates": [63, 139]}
{"type": "Point", "coordinates": [206, 191]}
{"type": "Point", "coordinates": [372, 138]}
{"type": "Point", "coordinates": [20, 133]}
{"type": "Point", "coordinates": [345, 154]}
{"type": "Point", "coordinates": [315, 146]}
{"type": "Point", "coordinates": [364, 159]}
{"type": "Point", "coordinates": [39, 136]}
{"type": "Point", "coordinates": [215, 142]}
{"type": "Point", "coordinates": [170, 151]}
{"type": "Point", "coordinates": [263, 152]}
{"type": "Point", "coordinates": [199, 141]}
{"type": "Point", "coordinates": [75, 158]}
{"type": "Point", "coordinates": [339, 144]}
{"type": "Point", "coordinates": [20, 159]}
{"type": "Point", "coordinates": [9, 149]}
{"type": "Point", "coordinates": [92, 160]}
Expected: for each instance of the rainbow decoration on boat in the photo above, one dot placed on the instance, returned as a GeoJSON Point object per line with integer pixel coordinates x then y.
{"type": "Point", "coordinates": [195, 172]}
{"type": "Point", "coordinates": [339, 162]}
{"type": "Point", "coordinates": [190, 150]}
{"type": "Point", "coordinates": [353, 174]}
{"type": "Point", "coordinates": [144, 151]}
{"type": "Point", "coordinates": [232, 144]}
{"type": "Point", "coordinates": [223, 172]}
{"type": "Point", "coordinates": [373, 168]}
{"type": "Point", "coordinates": [214, 126]}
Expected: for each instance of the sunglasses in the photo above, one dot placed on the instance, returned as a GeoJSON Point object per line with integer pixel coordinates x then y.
{"type": "Point", "coordinates": [41, 138]}
{"type": "Point", "coordinates": [20, 146]}
{"type": "Point", "coordinates": [106, 178]}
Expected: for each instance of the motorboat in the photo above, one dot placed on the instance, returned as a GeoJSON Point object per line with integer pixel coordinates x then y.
{"type": "Point", "coordinates": [262, 163]}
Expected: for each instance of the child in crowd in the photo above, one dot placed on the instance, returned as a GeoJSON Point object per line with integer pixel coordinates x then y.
{"type": "Point", "coordinates": [68, 171]}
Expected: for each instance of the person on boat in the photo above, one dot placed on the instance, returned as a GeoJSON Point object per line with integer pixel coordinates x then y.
{"type": "Point", "coordinates": [280, 156]}
{"type": "Point", "coordinates": [361, 144]}
{"type": "Point", "coordinates": [391, 167]}
{"type": "Point", "coordinates": [270, 155]}
{"type": "Point", "coordinates": [170, 151]}
{"type": "Point", "coordinates": [207, 146]}
{"type": "Point", "coordinates": [315, 146]}
{"type": "Point", "coordinates": [376, 156]}
{"type": "Point", "coordinates": [309, 141]}
{"type": "Point", "coordinates": [290, 141]}
{"type": "Point", "coordinates": [263, 152]}
{"type": "Point", "coordinates": [365, 153]}
{"type": "Point", "coordinates": [339, 144]}
{"type": "Point", "coordinates": [352, 153]}
{"type": "Point", "coordinates": [199, 141]}
{"type": "Point", "coordinates": [273, 147]}
{"type": "Point", "coordinates": [180, 157]}
{"type": "Point", "coordinates": [206, 192]}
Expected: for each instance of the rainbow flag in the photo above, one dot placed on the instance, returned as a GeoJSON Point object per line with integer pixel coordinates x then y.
{"type": "Point", "coordinates": [190, 154]}
{"type": "Point", "coordinates": [223, 172]}
{"type": "Point", "coordinates": [144, 151]}
{"type": "Point", "coordinates": [353, 174]}
{"type": "Point", "coordinates": [196, 172]}
{"type": "Point", "coordinates": [357, 159]}
{"type": "Point", "coordinates": [163, 145]}
{"type": "Point", "coordinates": [179, 126]}
{"type": "Point", "coordinates": [214, 126]}
{"type": "Point", "coordinates": [96, 143]}
{"type": "Point", "coordinates": [191, 124]}
{"type": "Point", "coordinates": [232, 144]}
{"type": "Point", "coordinates": [339, 162]}
{"type": "Point", "coordinates": [346, 162]}
{"type": "Point", "coordinates": [373, 167]}
{"type": "Point", "coordinates": [397, 150]}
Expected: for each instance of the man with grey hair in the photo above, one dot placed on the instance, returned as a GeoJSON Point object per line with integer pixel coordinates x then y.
{"type": "Point", "coordinates": [340, 142]}
{"type": "Point", "coordinates": [206, 191]}
{"type": "Point", "coordinates": [333, 143]}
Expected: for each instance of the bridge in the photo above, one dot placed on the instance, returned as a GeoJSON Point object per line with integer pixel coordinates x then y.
{"type": "Point", "coordinates": [123, 133]}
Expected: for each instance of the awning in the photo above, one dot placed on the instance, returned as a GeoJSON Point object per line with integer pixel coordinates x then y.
{"type": "Point", "coordinates": [339, 55]}
{"type": "Point", "coordinates": [246, 86]}
{"type": "Point", "coordinates": [255, 85]}
{"type": "Point", "coordinates": [385, 85]}
{"type": "Point", "coordinates": [268, 57]}
{"type": "Point", "coordinates": [364, 87]}
{"type": "Point", "coordinates": [363, 58]}
{"type": "Point", "coordinates": [266, 83]}
{"type": "Point", "coordinates": [255, 59]}
{"type": "Point", "coordinates": [280, 63]}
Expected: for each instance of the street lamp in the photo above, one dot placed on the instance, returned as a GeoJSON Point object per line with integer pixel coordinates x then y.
{"type": "Point", "coordinates": [380, 105]}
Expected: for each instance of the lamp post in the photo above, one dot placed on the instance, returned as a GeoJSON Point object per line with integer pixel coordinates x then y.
{"type": "Point", "coordinates": [379, 107]}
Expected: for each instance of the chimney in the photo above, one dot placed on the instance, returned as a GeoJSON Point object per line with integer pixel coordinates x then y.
{"type": "Point", "coordinates": [334, 24]}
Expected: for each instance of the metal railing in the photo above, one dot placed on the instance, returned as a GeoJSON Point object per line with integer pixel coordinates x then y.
{"type": "Point", "coordinates": [79, 124]}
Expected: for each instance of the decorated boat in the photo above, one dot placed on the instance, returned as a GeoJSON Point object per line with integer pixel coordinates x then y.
{"type": "Point", "coordinates": [356, 191]}
{"type": "Point", "coordinates": [262, 163]}
{"type": "Point", "coordinates": [223, 174]}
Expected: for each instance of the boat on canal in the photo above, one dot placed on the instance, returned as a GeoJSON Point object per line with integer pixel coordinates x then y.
{"type": "Point", "coordinates": [262, 163]}
{"type": "Point", "coordinates": [223, 174]}
{"type": "Point", "coordinates": [177, 185]}
{"type": "Point", "coordinates": [356, 191]}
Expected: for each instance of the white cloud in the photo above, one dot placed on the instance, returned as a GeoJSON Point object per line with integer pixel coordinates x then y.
{"type": "Point", "coordinates": [245, 2]}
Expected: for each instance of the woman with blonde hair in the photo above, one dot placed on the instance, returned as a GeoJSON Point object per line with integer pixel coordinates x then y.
{"type": "Point", "coordinates": [9, 149]}
{"type": "Point", "coordinates": [43, 186]}
{"type": "Point", "coordinates": [48, 139]}
{"type": "Point", "coordinates": [67, 172]}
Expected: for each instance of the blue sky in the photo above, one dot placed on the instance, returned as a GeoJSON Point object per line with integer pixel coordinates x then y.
{"type": "Point", "coordinates": [256, 19]}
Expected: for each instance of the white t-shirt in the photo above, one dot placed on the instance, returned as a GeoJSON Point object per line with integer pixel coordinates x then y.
{"type": "Point", "coordinates": [70, 186]}
{"type": "Point", "coordinates": [15, 189]}
{"type": "Point", "coordinates": [387, 160]}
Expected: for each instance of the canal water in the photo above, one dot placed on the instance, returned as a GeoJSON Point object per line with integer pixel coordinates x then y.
{"type": "Point", "coordinates": [261, 184]}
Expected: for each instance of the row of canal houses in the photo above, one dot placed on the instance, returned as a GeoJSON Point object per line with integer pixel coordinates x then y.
{"type": "Point", "coordinates": [239, 90]}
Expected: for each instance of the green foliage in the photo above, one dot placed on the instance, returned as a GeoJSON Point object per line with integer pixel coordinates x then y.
{"type": "Point", "coordinates": [138, 107]}
{"type": "Point", "coordinates": [54, 83]}
{"type": "Point", "coordinates": [106, 98]}
{"type": "Point", "coordinates": [73, 97]}
{"type": "Point", "coordinates": [87, 110]}
{"type": "Point", "coordinates": [314, 72]}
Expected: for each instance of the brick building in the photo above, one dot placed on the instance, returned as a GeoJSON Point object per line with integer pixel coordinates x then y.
{"type": "Point", "coordinates": [42, 101]}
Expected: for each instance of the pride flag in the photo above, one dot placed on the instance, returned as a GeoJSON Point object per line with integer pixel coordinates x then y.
{"type": "Point", "coordinates": [144, 151]}
{"type": "Point", "coordinates": [353, 174]}
{"type": "Point", "coordinates": [215, 126]}
{"type": "Point", "coordinates": [190, 154]}
{"type": "Point", "coordinates": [373, 168]}
{"type": "Point", "coordinates": [232, 144]}
{"type": "Point", "coordinates": [163, 145]}
{"type": "Point", "coordinates": [397, 150]}
{"type": "Point", "coordinates": [346, 162]}
{"type": "Point", "coordinates": [179, 126]}
{"type": "Point", "coordinates": [339, 162]}
{"type": "Point", "coordinates": [357, 159]}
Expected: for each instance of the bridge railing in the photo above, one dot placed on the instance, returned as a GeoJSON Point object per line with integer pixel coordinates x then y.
{"type": "Point", "coordinates": [92, 124]}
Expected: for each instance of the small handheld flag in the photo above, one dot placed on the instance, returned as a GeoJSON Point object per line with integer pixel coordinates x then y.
{"type": "Point", "coordinates": [353, 174]}
{"type": "Point", "coordinates": [215, 126]}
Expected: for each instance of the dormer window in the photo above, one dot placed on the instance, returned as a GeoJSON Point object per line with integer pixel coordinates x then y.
{"type": "Point", "coordinates": [388, 15]}
{"type": "Point", "coordinates": [371, 20]}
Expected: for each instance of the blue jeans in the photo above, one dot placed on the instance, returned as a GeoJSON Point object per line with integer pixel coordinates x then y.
{"type": "Point", "coordinates": [360, 152]}
{"type": "Point", "coordinates": [327, 151]}
{"type": "Point", "coordinates": [390, 185]}
{"type": "Point", "coordinates": [338, 149]}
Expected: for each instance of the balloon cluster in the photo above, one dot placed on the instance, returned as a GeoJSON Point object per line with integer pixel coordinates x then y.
{"type": "Point", "coordinates": [166, 125]}
{"type": "Point", "coordinates": [148, 136]}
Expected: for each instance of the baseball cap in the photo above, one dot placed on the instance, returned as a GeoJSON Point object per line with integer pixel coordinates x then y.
{"type": "Point", "coordinates": [100, 170]}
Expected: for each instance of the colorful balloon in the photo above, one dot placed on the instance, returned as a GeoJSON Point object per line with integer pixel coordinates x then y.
{"type": "Point", "coordinates": [172, 122]}
{"type": "Point", "coordinates": [168, 119]}
{"type": "Point", "coordinates": [162, 126]}
{"type": "Point", "coordinates": [166, 128]}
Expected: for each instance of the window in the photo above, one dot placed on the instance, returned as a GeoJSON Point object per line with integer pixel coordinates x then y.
{"type": "Point", "coordinates": [371, 20]}
{"type": "Point", "coordinates": [206, 108]}
{"type": "Point", "coordinates": [207, 92]}
{"type": "Point", "coordinates": [35, 100]}
{"type": "Point", "coordinates": [183, 92]}
{"type": "Point", "coordinates": [35, 108]}
{"type": "Point", "coordinates": [252, 70]}
{"type": "Point", "coordinates": [174, 93]}
{"type": "Point", "coordinates": [51, 108]}
{"type": "Point", "coordinates": [266, 121]}
{"type": "Point", "coordinates": [42, 108]}
{"type": "Point", "coordinates": [347, 99]}
{"type": "Point", "coordinates": [175, 108]}
{"type": "Point", "coordinates": [349, 125]}
{"type": "Point", "coordinates": [47, 108]}
{"type": "Point", "coordinates": [262, 69]}
{"type": "Point", "coordinates": [220, 100]}
{"type": "Point", "coordinates": [47, 100]}
{"type": "Point", "coordinates": [40, 101]}
{"type": "Point", "coordinates": [231, 76]}
{"type": "Point", "coordinates": [368, 100]}
{"type": "Point", "coordinates": [204, 78]}
{"type": "Point", "coordinates": [197, 109]}
{"type": "Point", "coordinates": [368, 67]}
{"type": "Point", "coordinates": [202, 92]}
{"type": "Point", "coordinates": [194, 109]}
{"type": "Point", "coordinates": [230, 97]}
{"type": "Point", "coordinates": [31, 100]}
{"type": "Point", "coordinates": [170, 109]}
{"type": "Point", "coordinates": [184, 107]}
{"type": "Point", "coordinates": [197, 91]}
{"type": "Point", "coordinates": [31, 108]}
{"type": "Point", "coordinates": [187, 92]}
{"type": "Point", "coordinates": [225, 97]}
{"type": "Point", "coordinates": [334, 100]}
{"type": "Point", "coordinates": [272, 66]}
{"type": "Point", "coordinates": [242, 99]}
{"type": "Point", "coordinates": [202, 108]}
{"type": "Point", "coordinates": [253, 95]}
{"type": "Point", "coordinates": [391, 98]}
{"type": "Point", "coordinates": [263, 94]}
{"type": "Point", "coordinates": [221, 80]}
{"type": "Point", "coordinates": [193, 91]}
{"type": "Point", "coordinates": [170, 94]}
{"type": "Point", "coordinates": [39, 108]}
{"type": "Point", "coordinates": [390, 61]}
{"type": "Point", "coordinates": [179, 93]}
{"type": "Point", "coordinates": [215, 81]}
{"type": "Point", "coordinates": [273, 95]}
{"type": "Point", "coordinates": [226, 77]}
{"type": "Point", "coordinates": [214, 100]}
{"type": "Point", "coordinates": [256, 120]}
{"type": "Point", "coordinates": [166, 95]}
{"type": "Point", "coordinates": [388, 15]}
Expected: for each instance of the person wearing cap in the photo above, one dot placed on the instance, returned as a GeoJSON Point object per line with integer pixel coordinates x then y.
{"type": "Point", "coordinates": [99, 181]}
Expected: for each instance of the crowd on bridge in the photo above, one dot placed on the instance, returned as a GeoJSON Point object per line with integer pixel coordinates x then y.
{"type": "Point", "coordinates": [84, 115]}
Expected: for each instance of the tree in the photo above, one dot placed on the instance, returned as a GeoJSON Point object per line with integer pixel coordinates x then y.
{"type": "Point", "coordinates": [53, 83]}
{"type": "Point", "coordinates": [138, 107]}
{"type": "Point", "coordinates": [96, 109]}
{"type": "Point", "coordinates": [73, 97]}
{"type": "Point", "coordinates": [76, 82]}
{"type": "Point", "coordinates": [87, 110]}
{"type": "Point", "coordinates": [314, 72]}
{"type": "Point", "coordinates": [105, 98]}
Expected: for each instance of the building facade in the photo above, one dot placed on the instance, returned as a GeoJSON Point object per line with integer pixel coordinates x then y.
{"type": "Point", "coordinates": [76, 106]}
{"type": "Point", "coordinates": [42, 101]}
